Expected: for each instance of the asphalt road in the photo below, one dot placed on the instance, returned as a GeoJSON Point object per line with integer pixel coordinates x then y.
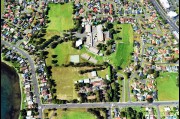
{"type": "Point", "coordinates": [31, 62]}
{"type": "Point", "coordinates": [109, 104]}
{"type": "Point", "coordinates": [163, 14]}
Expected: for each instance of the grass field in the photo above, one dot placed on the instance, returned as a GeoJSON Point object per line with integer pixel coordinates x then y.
{"type": "Point", "coordinates": [72, 114]}
{"type": "Point", "coordinates": [2, 6]}
{"type": "Point", "coordinates": [64, 78]}
{"type": "Point", "coordinates": [60, 17]}
{"type": "Point", "coordinates": [65, 50]}
{"type": "Point", "coordinates": [167, 89]}
{"type": "Point", "coordinates": [122, 56]}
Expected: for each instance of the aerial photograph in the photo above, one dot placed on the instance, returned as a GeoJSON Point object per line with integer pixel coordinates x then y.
{"type": "Point", "coordinates": [89, 59]}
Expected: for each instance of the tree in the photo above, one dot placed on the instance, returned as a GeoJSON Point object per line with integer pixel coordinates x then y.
{"type": "Point", "coordinates": [118, 38]}
{"type": "Point", "coordinates": [55, 114]}
{"type": "Point", "coordinates": [108, 25]}
{"type": "Point", "coordinates": [123, 114]}
{"type": "Point", "coordinates": [108, 52]}
{"type": "Point", "coordinates": [53, 90]}
{"type": "Point", "coordinates": [110, 42]}
{"type": "Point", "coordinates": [53, 56]}
{"type": "Point", "coordinates": [23, 112]}
{"type": "Point", "coordinates": [139, 115]}
{"type": "Point", "coordinates": [54, 61]}
{"type": "Point", "coordinates": [156, 74]}
{"type": "Point", "coordinates": [150, 71]}
{"type": "Point", "coordinates": [149, 100]}
{"type": "Point", "coordinates": [46, 114]}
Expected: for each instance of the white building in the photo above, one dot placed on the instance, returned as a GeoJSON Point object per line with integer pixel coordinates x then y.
{"type": "Point", "coordinates": [78, 43]}
{"type": "Point", "coordinates": [94, 73]}
{"type": "Point", "coordinates": [176, 34]}
{"type": "Point", "coordinates": [172, 14]}
{"type": "Point", "coordinates": [100, 36]}
{"type": "Point", "coordinates": [165, 4]}
{"type": "Point", "coordinates": [88, 28]}
{"type": "Point", "coordinates": [86, 80]}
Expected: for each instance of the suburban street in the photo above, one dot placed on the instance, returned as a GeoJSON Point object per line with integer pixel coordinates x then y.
{"type": "Point", "coordinates": [31, 62]}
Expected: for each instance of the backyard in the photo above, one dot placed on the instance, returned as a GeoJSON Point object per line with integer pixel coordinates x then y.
{"type": "Point", "coordinates": [60, 17]}
{"type": "Point", "coordinates": [71, 114]}
{"type": "Point", "coordinates": [167, 89]}
{"type": "Point", "coordinates": [124, 48]}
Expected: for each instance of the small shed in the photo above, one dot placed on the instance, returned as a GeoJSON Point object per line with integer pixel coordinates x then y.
{"type": "Point", "coordinates": [94, 73]}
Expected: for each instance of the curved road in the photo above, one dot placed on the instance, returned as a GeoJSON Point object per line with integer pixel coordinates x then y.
{"type": "Point", "coordinates": [31, 62]}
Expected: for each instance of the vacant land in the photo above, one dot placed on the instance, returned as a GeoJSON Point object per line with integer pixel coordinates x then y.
{"type": "Point", "coordinates": [2, 6]}
{"type": "Point", "coordinates": [71, 114]}
{"type": "Point", "coordinates": [124, 48]}
{"type": "Point", "coordinates": [167, 89]}
{"type": "Point", "coordinates": [60, 17]}
{"type": "Point", "coordinates": [64, 78]}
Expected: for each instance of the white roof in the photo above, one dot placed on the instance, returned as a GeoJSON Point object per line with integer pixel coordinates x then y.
{"type": "Point", "coordinates": [176, 34]}
{"type": "Point", "coordinates": [27, 86]}
{"type": "Point", "coordinates": [86, 80]}
{"type": "Point", "coordinates": [80, 81]}
{"type": "Point", "coordinates": [30, 102]}
{"type": "Point", "coordinates": [172, 14]}
{"type": "Point", "coordinates": [93, 60]}
{"type": "Point", "coordinates": [74, 58]}
{"type": "Point", "coordinates": [29, 113]}
{"type": "Point", "coordinates": [167, 109]}
{"type": "Point", "coordinates": [88, 28]}
{"type": "Point", "coordinates": [165, 3]}
{"type": "Point", "coordinates": [94, 73]}
{"type": "Point", "coordinates": [85, 56]}
{"type": "Point", "coordinates": [94, 50]}
{"type": "Point", "coordinates": [96, 79]}
{"type": "Point", "coordinates": [100, 36]}
{"type": "Point", "coordinates": [28, 98]}
{"type": "Point", "coordinates": [78, 43]}
{"type": "Point", "coordinates": [107, 77]}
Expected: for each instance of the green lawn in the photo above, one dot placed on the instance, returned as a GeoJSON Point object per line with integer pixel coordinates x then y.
{"type": "Point", "coordinates": [61, 18]}
{"type": "Point", "coordinates": [65, 50]}
{"type": "Point", "coordinates": [167, 89]}
{"type": "Point", "coordinates": [122, 56]}
{"type": "Point", "coordinates": [2, 6]}
{"type": "Point", "coordinates": [72, 114]}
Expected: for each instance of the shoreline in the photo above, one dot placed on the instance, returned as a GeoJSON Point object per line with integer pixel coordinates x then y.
{"type": "Point", "coordinates": [14, 86]}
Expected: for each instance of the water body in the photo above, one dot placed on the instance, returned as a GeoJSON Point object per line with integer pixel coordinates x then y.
{"type": "Point", "coordinates": [10, 93]}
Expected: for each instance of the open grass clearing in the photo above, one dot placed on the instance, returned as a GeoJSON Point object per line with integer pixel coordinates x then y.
{"type": "Point", "coordinates": [64, 78]}
{"type": "Point", "coordinates": [71, 114]}
{"type": "Point", "coordinates": [61, 18]}
{"type": "Point", "coordinates": [2, 6]}
{"type": "Point", "coordinates": [122, 56]}
{"type": "Point", "coordinates": [166, 85]}
{"type": "Point", "coordinates": [65, 50]}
